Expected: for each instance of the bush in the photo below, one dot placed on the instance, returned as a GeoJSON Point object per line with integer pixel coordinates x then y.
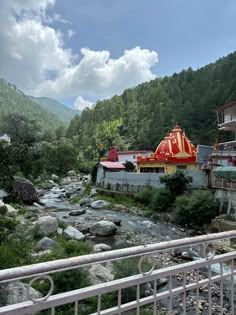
{"type": "Point", "coordinates": [177, 182]}
{"type": "Point", "coordinates": [3, 210]}
{"type": "Point", "coordinates": [161, 200]}
{"type": "Point", "coordinates": [197, 209]}
{"type": "Point", "coordinates": [145, 196]}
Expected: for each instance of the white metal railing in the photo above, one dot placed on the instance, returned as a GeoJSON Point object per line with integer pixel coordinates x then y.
{"type": "Point", "coordinates": [192, 287]}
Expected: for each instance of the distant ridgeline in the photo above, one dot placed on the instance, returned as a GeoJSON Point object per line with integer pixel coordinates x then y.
{"type": "Point", "coordinates": [142, 116]}
{"type": "Point", "coordinates": [49, 114]}
{"type": "Point", "coordinates": [65, 114]}
{"type": "Point", "coordinates": [13, 100]}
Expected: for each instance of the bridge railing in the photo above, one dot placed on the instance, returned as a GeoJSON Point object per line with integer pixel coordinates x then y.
{"type": "Point", "coordinates": [204, 285]}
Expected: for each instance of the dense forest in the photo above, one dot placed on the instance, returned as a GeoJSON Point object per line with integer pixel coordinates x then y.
{"type": "Point", "coordinates": [141, 116]}
{"type": "Point", "coordinates": [14, 101]}
{"type": "Point", "coordinates": [64, 113]}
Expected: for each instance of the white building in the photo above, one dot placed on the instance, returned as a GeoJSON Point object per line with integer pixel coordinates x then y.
{"type": "Point", "coordinates": [125, 156]}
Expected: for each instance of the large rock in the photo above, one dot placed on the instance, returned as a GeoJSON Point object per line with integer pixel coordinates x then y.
{"type": "Point", "coordinates": [72, 233]}
{"type": "Point", "coordinates": [10, 210]}
{"type": "Point", "coordinates": [103, 228]}
{"type": "Point", "coordinates": [46, 226]}
{"type": "Point", "coordinates": [100, 274]}
{"type": "Point", "coordinates": [25, 189]}
{"type": "Point", "coordinates": [98, 204]}
{"type": "Point", "coordinates": [16, 292]}
{"type": "Point", "coordinates": [77, 212]}
{"type": "Point", "coordinates": [101, 247]}
{"type": "Point", "coordinates": [46, 243]}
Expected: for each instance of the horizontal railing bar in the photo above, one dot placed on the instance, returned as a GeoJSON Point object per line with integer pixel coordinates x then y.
{"type": "Point", "coordinates": [84, 293]}
{"type": "Point", "coordinates": [85, 260]}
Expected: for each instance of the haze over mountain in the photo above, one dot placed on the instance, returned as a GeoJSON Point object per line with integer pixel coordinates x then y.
{"type": "Point", "coordinates": [12, 100]}
{"type": "Point", "coordinates": [63, 112]}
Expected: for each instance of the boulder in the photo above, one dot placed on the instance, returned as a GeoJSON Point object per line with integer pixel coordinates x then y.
{"type": "Point", "coordinates": [10, 210]}
{"type": "Point", "coordinates": [16, 292]}
{"type": "Point", "coordinates": [101, 248]}
{"type": "Point", "coordinates": [46, 243]}
{"type": "Point", "coordinates": [98, 204]}
{"type": "Point", "coordinates": [25, 189]}
{"type": "Point", "coordinates": [103, 228]}
{"type": "Point", "coordinates": [77, 212]}
{"type": "Point", "coordinates": [72, 233]}
{"type": "Point", "coordinates": [100, 274]}
{"type": "Point", "coordinates": [86, 201]}
{"type": "Point", "coordinates": [54, 177]}
{"type": "Point", "coordinates": [93, 192]}
{"type": "Point", "coordinates": [71, 173]}
{"type": "Point", "coordinates": [46, 226]}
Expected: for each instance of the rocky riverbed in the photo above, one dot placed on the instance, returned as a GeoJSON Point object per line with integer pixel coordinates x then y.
{"type": "Point", "coordinates": [117, 227]}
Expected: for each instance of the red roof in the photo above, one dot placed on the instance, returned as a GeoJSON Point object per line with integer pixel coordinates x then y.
{"type": "Point", "coordinates": [134, 152]}
{"type": "Point", "coordinates": [226, 106]}
{"type": "Point", "coordinates": [113, 165]}
{"type": "Point", "coordinates": [174, 148]}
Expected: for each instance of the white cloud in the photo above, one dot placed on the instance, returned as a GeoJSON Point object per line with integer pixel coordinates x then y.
{"type": "Point", "coordinates": [33, 56]}
{"type": "Point", "coordinates": [81, 103]}
{"type": "Point", "coordinates": [71, 33]}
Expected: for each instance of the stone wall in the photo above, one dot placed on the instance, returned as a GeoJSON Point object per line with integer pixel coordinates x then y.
{"type": "Point", "coordinates": [135, 182]}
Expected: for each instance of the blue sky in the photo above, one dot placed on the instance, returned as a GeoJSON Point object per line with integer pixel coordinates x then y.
{"type": "Point", "coordinates": [74, 50]}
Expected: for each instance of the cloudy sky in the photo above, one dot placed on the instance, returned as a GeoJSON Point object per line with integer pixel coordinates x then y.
{"type": "Point", "coordinates": [78, 51]}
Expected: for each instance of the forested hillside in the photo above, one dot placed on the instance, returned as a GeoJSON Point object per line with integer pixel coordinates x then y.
{"type": "Point", "coordinates": [13, 100]}
{"type": "Point", "coordinates": [141, 117]}
{"type": "Point", "coordinates": [64, 113]}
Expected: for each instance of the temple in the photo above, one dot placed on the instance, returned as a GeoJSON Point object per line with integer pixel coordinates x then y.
{"type": "Point", "coordinates": [174, 152]}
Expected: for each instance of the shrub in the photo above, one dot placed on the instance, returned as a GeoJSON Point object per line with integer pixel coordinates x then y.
{"type": "Point", "coordinates": [145, 196]}
{"type": "Point", "coordinates": [177, 182]}
{"type": "Point", "coordinates": [197, 209]}
{"type": "Point", "coordinates": [161, 200]}
{"type": "Point", "coordinates": [3, 210]}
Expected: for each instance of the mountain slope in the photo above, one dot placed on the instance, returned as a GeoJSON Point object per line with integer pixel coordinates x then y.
{"type": "Point", "coordinates": [13, 100]}
{"type": "Point", "coordinates": [64, 113]}
{"type": "Point", "coordinates": [149, 111]}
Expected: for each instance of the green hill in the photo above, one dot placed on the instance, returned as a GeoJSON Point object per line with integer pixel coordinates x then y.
{"type": "Point", "coordinates": [13, 100]}
{"type": "Point", "coordinates": [64, 113]}
{"type": "Point", "coordinates": [141, 117]}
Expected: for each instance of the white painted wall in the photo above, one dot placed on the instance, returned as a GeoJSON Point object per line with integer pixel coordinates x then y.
{"type": "Point", "coordinates": [132, 157]}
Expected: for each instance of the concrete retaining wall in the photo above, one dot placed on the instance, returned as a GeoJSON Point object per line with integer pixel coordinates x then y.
{"type": "Point", "coordinates": [135, 182]}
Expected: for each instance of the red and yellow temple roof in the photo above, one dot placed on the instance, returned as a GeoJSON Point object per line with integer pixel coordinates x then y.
{"type": "Point", "coordinates": [174, 148]}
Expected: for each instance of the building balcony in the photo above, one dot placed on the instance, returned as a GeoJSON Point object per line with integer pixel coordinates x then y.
{"type": "Point", "coordinates": [228, 125]}
{"type": "Point", "coordinates": [200, 281]}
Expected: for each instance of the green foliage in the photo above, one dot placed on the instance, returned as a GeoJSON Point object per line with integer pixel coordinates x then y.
{"type": "Point", "coordinates": [130, 167]}
{"type": "Point", "coordinates": [145, 196]}
{"type": "Point", "coordinates": [64, 113]}
{"type": "Point", "coordinates": [3, 210]}
{"type": "Point", "coordinates": [162, 199]}
{"type": "Point", "coordinates": [149, 111]}
{"type": "Point", "coordinates": [196, 209]}
{"type": "Point", "coordinates": [176, 182]}
{"type": "Point", "coordinates": [14, 101]}
{"type": "Point", "coordinates": [7, 226]}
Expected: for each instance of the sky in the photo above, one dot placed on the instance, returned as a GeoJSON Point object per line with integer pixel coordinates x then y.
{"type": "Point", "coordinates": [79, 51]}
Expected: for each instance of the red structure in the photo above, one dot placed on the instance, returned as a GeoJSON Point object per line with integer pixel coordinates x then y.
{"type": "Point", "coordinates": [174, 151]}
{"type": "Point", "coordinates": [113, 155]}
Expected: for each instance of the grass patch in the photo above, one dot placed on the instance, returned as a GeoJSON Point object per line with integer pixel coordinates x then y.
{"type": "Point", "coordinates": [75, 199]}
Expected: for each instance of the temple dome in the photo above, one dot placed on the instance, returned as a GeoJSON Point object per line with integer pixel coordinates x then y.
{"type": "Point", "coordinates": [175, 145]}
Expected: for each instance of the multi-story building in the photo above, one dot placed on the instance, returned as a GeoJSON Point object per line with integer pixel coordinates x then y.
{"type": "Point", "coordinates": [224, 153]}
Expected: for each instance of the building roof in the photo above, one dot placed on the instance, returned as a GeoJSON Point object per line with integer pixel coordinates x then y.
{"type": "Point", "coordinates": [113, 165]}
{"type": "Point", "coordinates": [174, 148]}
{"type": "Point", "coordinates": [134, 152]}
{"type": "Point", "coordinates": [226, 106]}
